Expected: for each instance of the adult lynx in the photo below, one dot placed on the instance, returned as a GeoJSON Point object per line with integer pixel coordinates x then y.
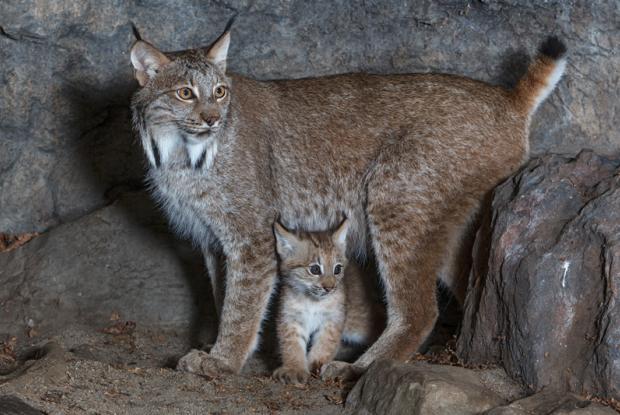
{"type": "Point", "coordinates": [407, 158]}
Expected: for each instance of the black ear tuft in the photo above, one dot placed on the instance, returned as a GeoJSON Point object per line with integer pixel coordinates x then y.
{"type": "Point", "coordinates": [553, 48]}
{"type": "Point", "coordinates": [134, 29]}
{"type": "Point", "coordinates": [230, 23]}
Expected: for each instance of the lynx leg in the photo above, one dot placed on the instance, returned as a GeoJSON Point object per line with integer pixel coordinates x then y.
{"type": "Point", "coordinates": [455, 271]}
{"type": "Point", "coordinates": [293, 340]}
{"type": "Point", "coordinates": [250, 280]}
{"type": "Point", "coordinates": [365, 317]}
{"type": "Point", "coordinates": [216, 277]}
{"type": "Point", "coordinates": [325, 346]}
{"type": "Point", "coordinates": [366, 326]}
{"type": "Point", "coordinates": [409, 261]}
{"type": "Point", "coordinates": [412, 197]}
{"type": "Point", "coordinates": [409, 270]}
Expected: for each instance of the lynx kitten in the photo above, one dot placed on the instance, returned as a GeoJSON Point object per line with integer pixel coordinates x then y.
{"type": "Point", "coordinates": [324, 299]}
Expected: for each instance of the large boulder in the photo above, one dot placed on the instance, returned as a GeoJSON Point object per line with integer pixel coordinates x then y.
{"type": "Point", "coordinates": [65, 78]}
{"type": "Point", "coordinates": [393, 388]}
{"type": "Point", "coordinates": [119, 261]}
{"type": "Point", "coordinates": [544, 298]}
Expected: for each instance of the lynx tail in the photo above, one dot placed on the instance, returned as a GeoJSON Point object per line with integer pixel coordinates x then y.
{"type": "Point", "coordinates": [542, 76]}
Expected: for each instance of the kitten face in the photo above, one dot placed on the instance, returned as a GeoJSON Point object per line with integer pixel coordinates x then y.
{"type": "Point", "coordinates": [312, 263]}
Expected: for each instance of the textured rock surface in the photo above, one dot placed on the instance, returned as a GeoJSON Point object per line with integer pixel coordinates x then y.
{"type": "Point", "coordinates": [552, 403]}
{"type": "Point", "coordinates": [394, 388]}
{"type": "Point", "coordinates": [12, 405]}
{"type": "Point", "coordinates": [544, 299]}
{"type": "Point", "coordinates": [65, 79]}
{"type": "Point", "coordinates": [117, 259]}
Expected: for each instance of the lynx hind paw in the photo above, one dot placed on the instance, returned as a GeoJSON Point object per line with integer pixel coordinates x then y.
{"type": "Point", "coordinates": [291, 375]}
{"type": "Point", "coordinates": [341, 371]}
{"type": "Point", "coordinates": [203, 364]}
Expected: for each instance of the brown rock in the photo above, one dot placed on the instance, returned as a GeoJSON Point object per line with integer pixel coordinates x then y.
{"type": "Point", "coordinates": [544, 289]}
{"type": "Point", "coordinates": [389, 387]}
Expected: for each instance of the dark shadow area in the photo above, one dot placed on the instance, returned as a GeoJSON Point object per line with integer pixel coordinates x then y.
{"type": "Point", "coordinates": [204, 323]}
{"type": "Point", "coordinates": [479, 268]}
{"type": "Point", "coordinates": [268, 349]}
{"type": "Point", "coordinates": [447, 325]}
{"type": "Point", "coordinates": [110, 158]}
{"type": "Point", "coordinates": [514, 64]}
{"type": "Point", "coordinates": [13, 405]}
{"type": "Point", "coordinates": [106, 151]}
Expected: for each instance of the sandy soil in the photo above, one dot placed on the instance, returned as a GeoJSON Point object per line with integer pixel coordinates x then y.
{"type": "Point", "coordinates": [129, 371]}
{"type": "Point", "coordinates": [123, 367]}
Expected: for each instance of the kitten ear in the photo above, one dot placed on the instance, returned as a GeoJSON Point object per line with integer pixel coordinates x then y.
{"type": "Point", "coordinates": [147, 60]}
{"type": "Point", "coordinates": [286, 241]}
{"type": "Point", "coordinates": [218, 52]}
{"type": "Point", "coordinates": [339, 236]}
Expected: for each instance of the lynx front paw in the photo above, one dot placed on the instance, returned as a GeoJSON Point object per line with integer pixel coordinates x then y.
{"type": "Point", "coordinates": [202, 363]}
{"type": "Point", "coordinates": [341, 370]}
{"type": "Point", "coordinates": [291, 375]}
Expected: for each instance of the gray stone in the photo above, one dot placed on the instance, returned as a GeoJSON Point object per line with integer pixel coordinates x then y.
{"type": "Point", "coordinates": [543, 298]}
{"type": "Point", "coordinates": [121, 259]}
{"type": "Point", "coordinates": [552, 403]}
{"type": "Point", "coordinates": [65, 78]}
{"type": "Point", "coordinates": [12, 405]}
{"type": "Point", "coordinates": [389, 388]}
{"type": "Point", "coordinates": [47, 361]}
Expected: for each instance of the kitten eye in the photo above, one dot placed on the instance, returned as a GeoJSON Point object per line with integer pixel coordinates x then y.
{"type": "Point", "coordinates": [185, 94]}
{"type": "Point", "coordinates": [315, 269]}
{"type": "Point", "coordinates": [337, 269]}
{"type": "Point", "coordinates": [219, 92]}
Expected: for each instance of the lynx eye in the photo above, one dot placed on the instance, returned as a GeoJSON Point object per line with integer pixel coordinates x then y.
{"type": "Point", "coordinates": [315, 269]}
{"type": "Point", "coordinates": [337, 269]}
{"type": "Point", "coordinates": [185, 94]}
{"type": "Point", "coordinates": [219, 92]}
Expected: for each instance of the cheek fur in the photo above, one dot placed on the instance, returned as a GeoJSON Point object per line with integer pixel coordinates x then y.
{"type": "Point", "coordinates": [301, 280]}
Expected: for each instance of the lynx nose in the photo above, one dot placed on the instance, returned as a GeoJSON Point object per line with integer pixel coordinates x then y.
{"type": "Point", "coordinates": [329, 284]}
{"type": "Point", "coordinates": [210, 119]}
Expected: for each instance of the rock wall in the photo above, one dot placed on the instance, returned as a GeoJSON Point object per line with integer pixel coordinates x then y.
{"type": "Point", "coordinates": [65, 78]}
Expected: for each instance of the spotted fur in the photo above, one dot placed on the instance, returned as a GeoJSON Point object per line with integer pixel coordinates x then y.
{"type": "Point", "coordinates": [407, 158]}
{"type": "Point", "coordinates": [321, 310]}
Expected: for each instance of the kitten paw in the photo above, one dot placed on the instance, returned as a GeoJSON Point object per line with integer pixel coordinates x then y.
{"type": "Point", "coordinates": [341, 371]}
{"type": "Point", "coordinates": [316, 366]}
{"type": "Point", "coordinates": [291, 375]}
{"type": "Point", "coordinates": [203, 364]}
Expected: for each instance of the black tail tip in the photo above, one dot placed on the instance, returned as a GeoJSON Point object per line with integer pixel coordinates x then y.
{"type": "Point", "coordinates": [553, 47]}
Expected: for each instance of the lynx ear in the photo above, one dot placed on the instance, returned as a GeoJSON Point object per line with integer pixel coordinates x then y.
{"type": "Point", "coordinates": [218, 52]}
{"type": "Point", "coordinates": [286, 241]}
{"type": "Point", "coordinates": [339, 236]}
{"type": "Point", "coordinates": [146, 60]}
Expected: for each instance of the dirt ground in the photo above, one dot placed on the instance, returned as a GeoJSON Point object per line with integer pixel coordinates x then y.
{"type": "Point", "coordinates": [122, 367]}
{"type": "Point", "coordinates": [129, 370]}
